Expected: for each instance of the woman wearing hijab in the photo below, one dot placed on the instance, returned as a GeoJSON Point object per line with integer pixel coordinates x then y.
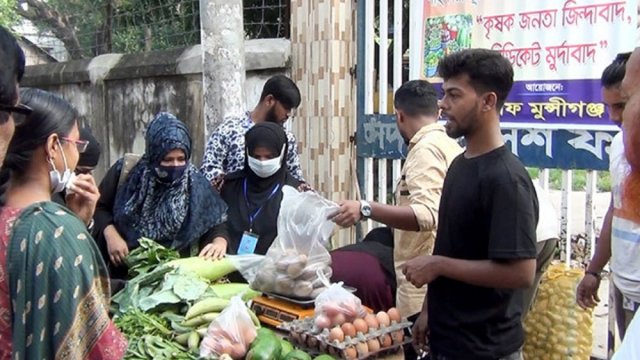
{"type": "Point", "coordinates": [54, 296]}
{"type": "Point", "coordinates": [163, 197]}
{"type": "Point", "coordinates": [91, 156]}
{"type": "Point", "coordinates": [254, 193]}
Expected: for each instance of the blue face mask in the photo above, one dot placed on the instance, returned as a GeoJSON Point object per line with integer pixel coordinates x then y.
{"type": "Point", "coordinates": [169, 174]}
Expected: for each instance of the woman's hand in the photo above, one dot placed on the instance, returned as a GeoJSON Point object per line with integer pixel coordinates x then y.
{"type": "Point", "coordinates": [215, 250]}
{"type": "Point", "coordinates": [116, 246]}
{"type": "Point", "coordinates": [82, 197]}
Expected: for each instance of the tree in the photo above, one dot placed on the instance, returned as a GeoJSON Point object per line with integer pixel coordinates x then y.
{"type": "Point", "coordinates": [89, 28]}
{"type": "Point", "coordinates": [8, 15]}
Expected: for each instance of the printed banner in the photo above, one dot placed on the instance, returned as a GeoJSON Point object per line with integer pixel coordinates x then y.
{"type": "Point", "coordinates": [558, 49]}
{"type": "Point", "coordinates": [378, 137]}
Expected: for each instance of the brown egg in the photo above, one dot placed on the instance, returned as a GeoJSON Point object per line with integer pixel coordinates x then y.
{"type": "Point", "coordinates": [372, 322]}
{"type": "Point", "coordinates": [394, 315]}
{"type": "Point", "coordinates": [385, 341]}
{"type": "Point", "coordinates": [383, 319]}
{"type": "Point", "coordinates": [349, 329]}
{"type": "Point", "coordinates": [338, 320]}
{"type": "Point", "coordinates": [322, 322]}
{"type": "Point", "coordinates": [350, 353]}
{"type": "Point", "coordinates": [336, 334]}
{"type": "Point", "coordinates": [363, 349]}
{"type": "Point", "coordinates": [361, 326]}
{"type": "Point", "coordinates": [374, 346]}
{"type": "Point", "coordinates": [398, 336]}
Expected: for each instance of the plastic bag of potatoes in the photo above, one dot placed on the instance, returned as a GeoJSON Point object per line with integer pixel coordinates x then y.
{"type": "Point", "coordinates": [557, 327]}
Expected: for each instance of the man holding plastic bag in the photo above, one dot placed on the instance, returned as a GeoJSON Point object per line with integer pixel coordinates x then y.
{"type": "Point", "coordinates": [414, 216]}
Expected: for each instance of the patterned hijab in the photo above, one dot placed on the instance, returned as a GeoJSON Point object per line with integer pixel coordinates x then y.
{"type": "Point", "coordinates": [174, 214]}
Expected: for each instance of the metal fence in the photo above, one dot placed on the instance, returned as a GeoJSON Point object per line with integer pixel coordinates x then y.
{"type": "Point", "coordinates": [68, 29]}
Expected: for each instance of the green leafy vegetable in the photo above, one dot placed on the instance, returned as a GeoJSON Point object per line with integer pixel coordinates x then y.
{"type": "Point", "coordinates": [147, 256]}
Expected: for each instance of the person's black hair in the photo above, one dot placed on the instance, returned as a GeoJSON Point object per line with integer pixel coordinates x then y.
{"type": "Point", "coordinates": [613, 74]}
{"type": "Point", "coordinates": [51, 115]}
{"type": "Point", "coordinates": [12, 69]}
{"type": "Point", "coordinates": [283, 90]}
{"type": "Point", "coordinates": [91, 156]}
{"type": "Point", "coordinates": [487, 69]}
{"type": "Point", "coordinates": [417, 97]}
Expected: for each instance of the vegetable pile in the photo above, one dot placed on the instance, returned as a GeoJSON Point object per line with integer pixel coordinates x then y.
{"type": "Point", "coordinates": [556, 327]}
{"type": "Point", "coordinates": [165, 309]}
{"type": "Point", "coordinates": [293, 274]}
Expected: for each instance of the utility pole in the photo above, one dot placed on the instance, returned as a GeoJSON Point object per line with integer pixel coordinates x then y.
{"type": "Point", "coordinates": [223, 70]}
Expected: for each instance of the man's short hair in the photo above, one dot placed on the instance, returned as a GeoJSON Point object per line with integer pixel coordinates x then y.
{"type": "Point", "coordinates": [283, 90]}
{"type": "Point", "coordinates": [12, 69]}
{"type": "Point", "coordinates": [487, 69]}
{"type": "Point", "coordinates": [417, 97]}
{"type": "Point", "coordinates": [614, 73]}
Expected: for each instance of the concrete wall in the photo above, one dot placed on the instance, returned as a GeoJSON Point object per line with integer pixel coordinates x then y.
{"type": "Point", "coordinates": [117, 95]}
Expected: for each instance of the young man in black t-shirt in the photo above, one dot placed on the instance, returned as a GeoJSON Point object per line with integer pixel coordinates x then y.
{"type": "Point", "coordinates": [485, 248]}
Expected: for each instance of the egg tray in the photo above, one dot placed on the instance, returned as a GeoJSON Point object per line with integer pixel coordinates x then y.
{"type": "Point", "coordinates": [341, 354]}
{"type": "Point", "coordinates": [304, 330]}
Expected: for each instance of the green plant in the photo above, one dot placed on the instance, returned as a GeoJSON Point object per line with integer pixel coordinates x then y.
{"type": "Point", "coordinates": [579, 180]}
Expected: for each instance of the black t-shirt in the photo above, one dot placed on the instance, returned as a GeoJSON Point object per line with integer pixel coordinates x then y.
{"type": "Point", "coordinates": [488, 210]}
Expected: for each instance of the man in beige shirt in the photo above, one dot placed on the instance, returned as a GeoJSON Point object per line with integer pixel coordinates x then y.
{"type": "Point", "coordinates": [415, 213]}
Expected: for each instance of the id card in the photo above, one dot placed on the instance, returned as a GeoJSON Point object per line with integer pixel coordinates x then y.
{"type": "Point", "coordinates": [248, 243]}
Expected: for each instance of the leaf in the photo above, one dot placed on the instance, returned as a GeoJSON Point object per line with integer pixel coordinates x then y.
{"type": "Point", "coordinates": [189, 288]}
{"type": "Point", "coordinates": [162, 297]}
{"type": "Point", "coordinates": [148, 256]}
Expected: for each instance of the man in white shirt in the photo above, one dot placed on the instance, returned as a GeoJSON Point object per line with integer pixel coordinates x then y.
{"type": "Point", "coordinates": [619, 240]}
{"type": "Point", "coordinates": [547, 234]}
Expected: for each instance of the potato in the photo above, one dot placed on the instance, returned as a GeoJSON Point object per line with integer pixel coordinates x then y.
{"type": "Point", "coordinates": [294, 270]}
{"type": "Point", "coordinates": [302, 289]}
{"type": "Point", "coordinates": [311, 271]}
{"type": "Point", "coordinates": [284, 285]}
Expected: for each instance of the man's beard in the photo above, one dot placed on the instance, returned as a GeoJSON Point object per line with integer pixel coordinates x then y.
{"type": "Point", "coordinates": [272, 117]}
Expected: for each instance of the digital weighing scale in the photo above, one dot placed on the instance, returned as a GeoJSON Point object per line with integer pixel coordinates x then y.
{"type": "Point", "coordinates": [273, 309]}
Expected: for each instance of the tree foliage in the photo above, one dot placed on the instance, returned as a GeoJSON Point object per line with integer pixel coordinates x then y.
{"type": "Point", "coordinates": [93, 27]}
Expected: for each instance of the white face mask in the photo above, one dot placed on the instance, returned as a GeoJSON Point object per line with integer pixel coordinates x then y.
{"type": "Point", "coordinates": [265, 168]}
{"type": "Point", "coordinates": [60, 182]}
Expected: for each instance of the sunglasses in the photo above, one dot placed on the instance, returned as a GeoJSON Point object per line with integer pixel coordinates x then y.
{"type": "Point", "coordinates": [80, 144]}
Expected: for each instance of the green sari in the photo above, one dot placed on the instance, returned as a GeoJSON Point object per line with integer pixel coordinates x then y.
{"type": "Point", "coordinates": [59, 289]}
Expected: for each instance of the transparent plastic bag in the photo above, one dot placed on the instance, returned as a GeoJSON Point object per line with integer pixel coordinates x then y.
{"type": "Point", "coordinates": [298, 254]}
{"type": "Point", "coordinates": [230, 333]}
{"type": "Point", "coordinates": [335, 305]}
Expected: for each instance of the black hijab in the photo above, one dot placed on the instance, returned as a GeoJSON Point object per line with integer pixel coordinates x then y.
{"type": "Point", "coordinates": [259, 191]}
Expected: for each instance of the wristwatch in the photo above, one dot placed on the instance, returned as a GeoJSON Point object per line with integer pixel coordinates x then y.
{"type": "Point", "coordinates": [365, 209]}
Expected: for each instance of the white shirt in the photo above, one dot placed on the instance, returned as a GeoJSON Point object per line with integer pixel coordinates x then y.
{"type": "Point", "coordinates": [630, 347]}
{"type": "Point", "coordinates": [548, 224]}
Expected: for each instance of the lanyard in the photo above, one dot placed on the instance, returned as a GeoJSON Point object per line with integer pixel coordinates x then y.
{"type": "Point", "coordinates": [246, 200]}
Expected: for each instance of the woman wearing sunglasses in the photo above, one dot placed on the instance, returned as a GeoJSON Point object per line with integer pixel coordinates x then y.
{"type": "Point", "coordinates": [50, 268]}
